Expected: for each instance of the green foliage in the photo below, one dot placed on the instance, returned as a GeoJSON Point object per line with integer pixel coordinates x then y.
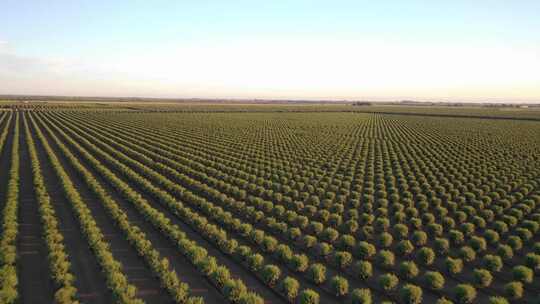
{"type": "Point", "coordinates": [339, 286]}
{"type": "Point", "coordinates": [361, 296]}
{"type": "Point", "coordinates": [464, 293]}
{"type": "Point", "coordinates": [434, 280]}
{"type": "Point", "coordinates": [411, 294]}
{"type": "Point", "coordinates": [388, 281]}
{"type": "Point", "coordinates": [309, 296]}
{"type": "Point", "coordinates": [317, 273]}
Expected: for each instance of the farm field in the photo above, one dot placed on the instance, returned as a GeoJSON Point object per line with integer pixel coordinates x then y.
{"type": "Point", "coordinates": [172, 204]}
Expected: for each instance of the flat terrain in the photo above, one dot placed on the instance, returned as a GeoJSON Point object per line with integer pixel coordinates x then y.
{"type": "Point", "coordinates": [134, 203]}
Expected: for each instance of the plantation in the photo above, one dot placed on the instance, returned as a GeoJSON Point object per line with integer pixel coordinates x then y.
{"type": "Point", "coordinates": [251, 204]}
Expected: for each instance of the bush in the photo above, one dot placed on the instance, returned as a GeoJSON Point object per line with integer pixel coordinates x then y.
{"type": "Point", "coordinates": [478, 243]}
{"type": "Point", "coordinates": [404, 248]}
{"type": "Point", "coordinates": [498, 300]}
{"type": "Point", "coordinates": [317, 273]}
{"type": "Point", "coordinates": [434, 280]}
{"type": "Point", "coordinates": [411, 294]}
{"type": "Point", "coordinates": [270, 274]}
{"type": "Point", "coordinates": [324, 249]}
{"type": "Point", "coordinates": [248, 298]}
{"type": "Point", "coordinates": [467, 254]}
{"type": "Point", "coordinates": [456, 237]}
{"type": "Point", "coordinates": [309, 296]}
{"type": "Point", "coordinates": [464, 293]}
{"type": "Point", "coordinates": [442, 246]}
{"type": "Point", "coordinates": [385, 259]}
{"type": "Point", "coordinates": [339, 285]}
{"type": "Point", "coordinates": [419, 238]}
{"type": "Point", "coordinates": [401, 231]}
{"type": "Point", "coordinates": [388, 281]}
{"type": "Point", "coordinates": [385, 240]}
{"type": "Point", "coordinates": [504, 251]}
{"type": "Point", "coordinates": [289, 287]}
{"type": "Point", "coordinates": [523, 274]}
{"type": "Point", "coordinates": [514, 290]}
{"type": "Point", "coordinates": [492, 262]}
{"type": "Point", "coordinates": [255, 262]}
{"type": "Point", "coordinates": [532, 260]}
{"type": "Point", "coordinates": [299, 262]}
{"type": "Point", "coordinates": [408, 269]}
{"type": "Point", "coordinates": [425, 256]}
{"type": "Point", "coordinates": [492, 236]}
{"type": "Point", "coordinates": [453, 266]}
{"type": "Point", "coordinates": [342, 259]}
{"type": "Point", "coordinates": [221, 275]}
{"type": "Point", "coordinates": [444, 300]}
{"type": "Point", "coordinates": [234, 290]}
{"type": "Point", "coordinates": [364, 250]}
{"type": "Point", "coordinates": [482, 278]}
{"type": "Point", "coordinates": [346, 242]}
{"type": "Point", "coordinates": [363, 270]}
{"type": "Point", "coordinates": [361, 296]}
{"type": "Point", "coordinates": [269, 244]}
{"type": "Point", "coordinates": [515, 242]}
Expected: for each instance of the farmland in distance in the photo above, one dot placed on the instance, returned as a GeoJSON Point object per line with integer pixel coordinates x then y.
{"type": "Point", "coordinates": [116, 203]}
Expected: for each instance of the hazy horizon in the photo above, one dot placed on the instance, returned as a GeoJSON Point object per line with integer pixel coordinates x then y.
{"type": "Point", "coordinates": [344, 50]}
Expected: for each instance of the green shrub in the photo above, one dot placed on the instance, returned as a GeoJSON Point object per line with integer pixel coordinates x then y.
{"type": "Point", "coordinates": [363, 270]}
{"type": "Point", "coordinates": [317, 273]}
{"type": "Point", "coordinates": [444, 300]}
{"type": "Point", "coordinates": [289, 287]}
{"type": "Point", "coordinates": [478, 243]}
{"type": "Point", "coordinates": [492, 262]}
{"type": "Point", "coordinates": [339, 285]}
{"type": "Point", "coordinates": [255, 262]}
{"type": "Point", "coordinates": [385, 239]}
{"type": "Point", "coordinates": [482, 278]}
{"type": "Point", "coordinates": [442, 246]}
{"type": "Point", "coordinates": [523, 274]}
{"type": "Point", "coordinates": [411, 294]}
{"type": "Point", "coordinates": [408, 269]}
{"type": "Point", "coordinates": [419, 238]}
{"type": "Point", "coordinates": [299, 262]}
{"type": "Point", "coordinates": [464, 293]}
{"type": "Point", "coordinates": [270, 274]}
{"type": "Point", "coordinates": [309, 296]}
{"type": "Point", "coordinates": [234, 290]}
{"type": "Point", "coordinates": [434, 280]}
{"type": "Point", "coordinates": [364, 250]}
{"type": "Point", "coordinates": [388, 281]}
{"type": "Point", "coordinates": [532, 260]}
{"type": "Point", "coordinates": [361, 296]}
{"type": "Point", "coordinates": [515, 242]}
{"type": "Point", "coordinates": [467, 254]}
{"type": "Point", "coordinates": [342, 259]}
{"type": "Point", "coordinates": [425, 256]}
{"type": "Point", "coordinates": [513, 290]}
{"type": "Point", "coordinates": [385, 259]}
{"type": "Point", "coordinates": [498, 300]}
{"type": "Point", "coordinates": [504, 251]}
{"type": "Point", "coordinates": [249, 298]}
{"type": "Point", "coordinates": [404, 248]}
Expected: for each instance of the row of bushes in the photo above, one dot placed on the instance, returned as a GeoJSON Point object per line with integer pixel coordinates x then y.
{"type": "Point", "coordinates": [10, 229]}
{"type": "Point", "coordinates": [159, 265]}
{"type": "Point", "coordinates": [198, 255]}
{"type": "Point", "coordinates": [464, 250]}
{"type": "Point", "coordinates": [58, 258]}
{"type": "Point", "coordinates": [115, 278]}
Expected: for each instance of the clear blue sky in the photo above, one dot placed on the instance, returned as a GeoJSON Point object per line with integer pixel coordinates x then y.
{"type": "Point", "coordinates": [451, 50]}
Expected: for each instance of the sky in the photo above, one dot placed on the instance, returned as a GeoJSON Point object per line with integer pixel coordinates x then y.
{"type": "Point", "coordinates": [285, 49]}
